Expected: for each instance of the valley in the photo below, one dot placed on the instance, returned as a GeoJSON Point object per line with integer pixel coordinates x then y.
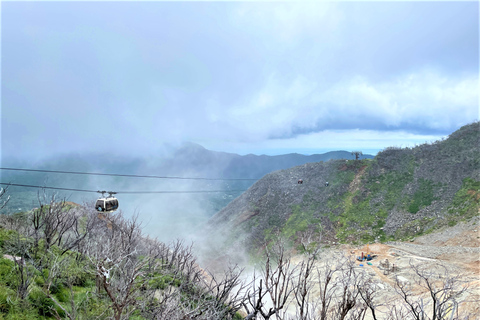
{"type": "Point", "coordinates": [280, 248]}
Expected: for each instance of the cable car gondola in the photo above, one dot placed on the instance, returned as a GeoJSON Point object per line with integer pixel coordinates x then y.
{"type": "Point", "coordinates": [106, 204]}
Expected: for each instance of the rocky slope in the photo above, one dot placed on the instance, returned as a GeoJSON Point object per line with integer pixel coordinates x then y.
{"type": "Point", "coordinates": [399, 194]}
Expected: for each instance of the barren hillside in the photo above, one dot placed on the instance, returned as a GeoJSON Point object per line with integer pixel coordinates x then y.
{"type": "Point", "coordinates": [398, 195]}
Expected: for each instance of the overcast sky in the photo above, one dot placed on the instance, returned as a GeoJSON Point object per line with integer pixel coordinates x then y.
{"type": "Point", "coordinates": [252, 77]}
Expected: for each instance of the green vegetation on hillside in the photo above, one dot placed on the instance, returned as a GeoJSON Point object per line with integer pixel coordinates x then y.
{"type": "Point", "coordinates": [422, 197]}
{"type": "Point", "coordinates": [466, 202]}
{"type": "Point", "coordinates": [401, 193]}
{"type": "Point", "coordinates": [300, 221]}
{"type": "Point", "coordinates": [63, 261]}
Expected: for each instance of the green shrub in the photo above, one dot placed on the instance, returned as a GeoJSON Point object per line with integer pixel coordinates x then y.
{"type": "Point", "coordinates": [367, 238]}
{"type": "Point", "coordinates": [82, 278]}
{"type": "Point", "coordinates": [422, 197]}
{"type": "Point", "coordinates": [162, 281]}
{"type": "Point", "coordinates": [157, 282]}
{"type": "Point", "coordinates": [21, 310]}
{"type": "Point", "coordinates": [7, 299]}
{"type": "Point", "coordinates": [467, 200]}
{"type": "Point", "coordinates": [176, 282]}
{"type": "Point", "coordinates": [452, 223]}
{"type": "Point", "coordinates": [56, 287]}
{"type": "Point", "coordinates": [299, 221]}
{"type": "Point", "coordinates": [39, 281]}
{"type": "Point", "coordinates": [43, 304]}
{"type": "Point", "coordinates": [414, 207]}
{"type": "Point", "coordinates": [382, 237]}
{"type": "Point", "coordinates": [7, 272]}
{"type": "Point", "coordinates": [20, 316]}
{"type": "Point", "coordinates": [6, 235]}
{"type": "Point", "coordinates": [63, 295]}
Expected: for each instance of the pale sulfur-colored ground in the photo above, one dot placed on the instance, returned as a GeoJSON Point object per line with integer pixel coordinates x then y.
{"type": "Point", "coordinates": [457, 248]}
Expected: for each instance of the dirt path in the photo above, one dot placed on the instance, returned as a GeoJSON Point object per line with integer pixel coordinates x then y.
{"type": "Point", "coordinates": [355, 184]}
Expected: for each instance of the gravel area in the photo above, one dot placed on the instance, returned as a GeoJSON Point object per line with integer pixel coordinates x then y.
{"type": "Point", "coordinates": [436, 252]}
{"type": "Point", "coordinates": [449, 252]}
{"type": "Point", "coordinates": [466, 234]}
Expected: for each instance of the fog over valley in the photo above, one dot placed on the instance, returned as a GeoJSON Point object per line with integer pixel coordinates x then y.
{"type": "Point", "coordinates": [221, 160]}
{"type": "Point", "coordinates": [165, 215]}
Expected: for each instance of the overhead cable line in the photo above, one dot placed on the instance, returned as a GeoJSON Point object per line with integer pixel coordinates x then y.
{"type": "Point", "coordinates": [117, 192]}
{"type": "Point", "coordinates": [126, 175]}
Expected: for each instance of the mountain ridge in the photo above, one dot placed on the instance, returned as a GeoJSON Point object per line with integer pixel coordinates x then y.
{"type": "Point", "coordinates": [189, 160]}
{"type": "Point", "coordinates": [396, 195]}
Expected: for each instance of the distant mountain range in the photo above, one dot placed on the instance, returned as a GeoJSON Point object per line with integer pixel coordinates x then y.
{"type": "Point", "coordinates": [188, 160]}
{"type": "Point", "coordinates": [195, 158]}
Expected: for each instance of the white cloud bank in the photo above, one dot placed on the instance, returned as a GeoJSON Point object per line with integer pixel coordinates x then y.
{"type": "Point", "coordinates": [236, 76]}
{"type": "Point", "coordinates": [421, 101]}
{"type": "Point", "coordinates": [368, 141]}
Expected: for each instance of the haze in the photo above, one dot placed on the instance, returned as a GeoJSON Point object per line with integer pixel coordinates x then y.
{"type": "Point", "coordinates": [253, 77]}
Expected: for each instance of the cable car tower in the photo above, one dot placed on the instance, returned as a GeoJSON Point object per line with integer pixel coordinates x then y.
{"type": "Point", "coordinates": [106, 204]}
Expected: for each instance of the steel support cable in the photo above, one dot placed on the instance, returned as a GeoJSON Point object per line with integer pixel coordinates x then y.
{"type": "Point", "coordinates": [126, 175]}
{"type": "Point", "coordinates": [117, 192]}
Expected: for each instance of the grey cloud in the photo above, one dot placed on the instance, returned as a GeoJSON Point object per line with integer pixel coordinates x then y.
{"type": "Point", "coordinates": [75, 75]}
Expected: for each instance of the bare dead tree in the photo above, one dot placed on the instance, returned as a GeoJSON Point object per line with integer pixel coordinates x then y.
{"type": "Point", "coordinates": [348, 283]}
{"type": "Point", "coordinates": [228, 291]}
{"type": "Point", "coordinates": [255, 302]}
{"type": "Point", "coordinates": [192, 293]}
{"type": "Point", "coordinates": [19, 248]}
{"type": "Point", "coordinates": [278, 276]}
{"type": "Point", "coordinates": [65, 229]}
{"type": "Point", "coordinates": [444, 292]}
{"type": "Point", "coordinates": [25, 277]}
{"type": "Point", "coordinates": [304, 282]}
{"type": "Point", "coordinates": [326, 286]}
{"type": "Point", "coordinates": [83, 222]}
{"type": "Point", "coordinates": [211, 296]}
{"type": "Point", "coordinates": [336, 285]}
{"type": "Point", "coordinates": [397, 312]}
{"type": "Point", "coordinates": [24, 246]}
{"type": "Point", "coordinates": [175, 249]}
{"type": "Point", "coordinates": [121, 286]}
{"type": "Point", "coordinates": [367, 292]}
{"type": "Point", "coordinates": [275, 284]}
{"type": "Point", "coordinates": [95, 228]}
{"type": "Point", "coordinates": [50, 222]}
{"type": "Point", "coordinates": [3, 203]}
{"type": "Point", "coordinates": [165, 302]}
{"type": "Point", "coordinates": [357, 154]}
{"type": "Point", "coordinates": [183, 262]}
{"type": "Point", "coordinates": [441, 287]}
{"type": "Point", "coordinates": [114, 249]}
{"type": "Point", "coordinates": [415, 309]}
{"type": "Point", "coordinates": [118, 264]}
{"type": "Point", "coordinates": [57, 271]}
